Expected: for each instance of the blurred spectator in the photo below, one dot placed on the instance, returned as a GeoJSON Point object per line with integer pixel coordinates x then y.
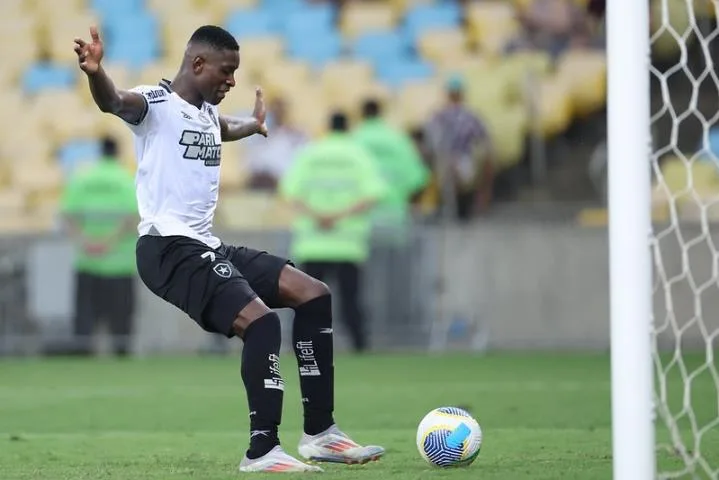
{"type": "Point", "coordinates": [269, 158]}
{"type": "Point", "coordinates": [552, 26]}
{"type": "Point", "coordinates": [100, 210]}
{"type": "Point", "coordinates": [398, 161]}
{"type": "Point", "coordinates": [405, 174]}
{"type": "Point", "coordinates": [462, 155]}
{"type": "Point", "coordinates": [334, 184]}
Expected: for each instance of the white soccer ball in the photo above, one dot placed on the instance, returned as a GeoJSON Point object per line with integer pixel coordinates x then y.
{"type": "Point", "coordinates": [449, 437]}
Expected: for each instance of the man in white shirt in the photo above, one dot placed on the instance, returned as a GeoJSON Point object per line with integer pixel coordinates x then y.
{"type": "Point", "coordinates": [226, 289]}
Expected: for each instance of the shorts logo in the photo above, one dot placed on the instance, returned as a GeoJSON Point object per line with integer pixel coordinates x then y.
{"type": "Point", "coordinates": [223, 270]}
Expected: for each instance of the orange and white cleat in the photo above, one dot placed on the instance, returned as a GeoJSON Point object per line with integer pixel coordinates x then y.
{"type": "Point", "coordinates": [334, 446]}
{"type": "Point", "coordinates": [276, 460]}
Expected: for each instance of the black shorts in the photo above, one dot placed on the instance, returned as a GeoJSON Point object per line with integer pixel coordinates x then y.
{"type": "Point", "coordinates": [210, 285]}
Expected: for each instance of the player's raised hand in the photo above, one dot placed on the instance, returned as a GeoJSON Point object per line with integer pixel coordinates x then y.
{"type": "Point", "coordinates": [259, 112]}
{"type": "Point", "coordinates": [89, 55]}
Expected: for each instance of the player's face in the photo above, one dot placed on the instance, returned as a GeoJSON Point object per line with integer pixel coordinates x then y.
{"type": "Point", "coordinates": [217, 75]}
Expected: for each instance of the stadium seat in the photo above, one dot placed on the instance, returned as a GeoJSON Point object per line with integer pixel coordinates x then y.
{"type": "Point", "coordinates": [358, 18]}
{"type": "Point", "coordinates": [256, 53]}
{"type": "Point", "coordinates": [401, 6]}
{"type": "Point", "coordinates": [507, 126]}
{"type": "Point", "coordinates": [337, 74]}
{"type": "Point", "coordinates": [280, 8]}
{"type": "Point", "coordinates": [43, 75]}
{"type": "Point", "coordinates": [432, 16]}
{"type": "Point", "coordinates": [317, 48]}
{"type": "Point", "coordinates": [112, 8]}
{"type": "Point", "coordinates": [274, 78]}
{"type": "Point", "coordinates": [379, 47]}
{"type": "Point", "coordinates": [583, 72]}
{"type": "Point", "coordinates": [77, 153]}
{"type": "Point", "coordinates": [438, 44]}
{"type": "Point", "coordinates": [177, 30]}
{"type": "Point", "coordinates": [417, 101]}
{"type": "Point", "coordinates": [246, 23]}
{"type": "Point", "coordinates": [396, 73]}
{"type": "Point", "coordinates": [554, 107]}
{"type": "Point", "coordinates": [309, 20]}
{"type": "Point", "coordinates": [491, 25]}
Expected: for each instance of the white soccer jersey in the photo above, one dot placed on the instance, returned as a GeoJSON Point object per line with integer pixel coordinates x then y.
{"type": "Point", "coordinates": [178, 150]}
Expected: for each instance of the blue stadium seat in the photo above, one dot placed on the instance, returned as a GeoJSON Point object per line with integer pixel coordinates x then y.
{"type": "Point", "coordinates": [395, 73]}
{"type": "Point", "coordinates": [42, 75]}
{"type": "Point", "coordinates": [377, 47]}
{"type": "Point", "coordinates": [280, 8]}
{"type": "Point", "coordinates": [245, 23]}
{"type": "Point", "coordinates": [316, 49]}
{"type": "Point", "coordinates": [112, 8]}
{"type": "Point", "coordinates": [77, 152]}
{"type": "Point", "coordinates": [135, 53]}
{"type": "Point", "coordinates": [312, 18]}
{"type": "Point", "coordinates": [127, 26]}
{"type": "Point", "coordinates": [424, 17]}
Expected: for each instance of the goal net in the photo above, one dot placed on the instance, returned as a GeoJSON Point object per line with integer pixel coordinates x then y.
{"type": "Point", "coordinates": [685, 236]}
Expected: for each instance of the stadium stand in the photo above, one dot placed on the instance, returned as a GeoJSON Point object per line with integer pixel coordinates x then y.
{"type": "Point", "coordinates": [397, 50]}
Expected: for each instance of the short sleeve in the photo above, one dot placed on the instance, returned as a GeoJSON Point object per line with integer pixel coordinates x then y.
{"type": "Point", "coordinates": [156, 98]}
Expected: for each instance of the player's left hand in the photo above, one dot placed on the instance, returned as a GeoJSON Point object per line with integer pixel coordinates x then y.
{"type": "Point", "coordinates": [259, 113]}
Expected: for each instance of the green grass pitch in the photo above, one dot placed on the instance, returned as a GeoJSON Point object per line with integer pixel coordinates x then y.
{"type": "Point", "coordinates": [544, 416]}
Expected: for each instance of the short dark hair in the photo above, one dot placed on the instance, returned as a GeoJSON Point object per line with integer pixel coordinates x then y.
{"type": "Point", "coordinates": [338, 122]}
{"type": "Point", "coordinates": [216, 37]}
{"type": "Point", "coordinates": [108, 147]}
{"type": "Point", "coordinates": [371, 108]}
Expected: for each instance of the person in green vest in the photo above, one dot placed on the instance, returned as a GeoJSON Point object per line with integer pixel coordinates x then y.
{"type": "Point", "coordinates": [100, 212]}
{"type": "Point", "coordinates": [403, 169]}
{"type": "Point", "coordinates": [400, 164]}
{"type": "Point", "coordinates": [334, 184]}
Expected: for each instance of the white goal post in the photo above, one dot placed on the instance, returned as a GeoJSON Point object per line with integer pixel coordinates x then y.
{"type": "Point", "coordinates": [629, 187]}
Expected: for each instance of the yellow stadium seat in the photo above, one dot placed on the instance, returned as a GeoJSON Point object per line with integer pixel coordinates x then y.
{"type": "Point", "coordinates": [686, 185]}
{"type": "Point", "coordinates": [59, 30]}
{"type": "Point", "coordinates": [491, 25]}
{"type": "Point", "coordinates": [273, 78]}
{"type": "Point", "coordinates": [360, 17]}
{"type": "Point", "coordinates": [233, 175]}
{"type": "Point", "coordinates": [259, 52]}
{"type": "Point", "coordinates": [487, 88]}
{"type": "Point", "coordinates": [267, 211]}
{"type": "Point", "coordinates": [416, 102]}
{"type": "Point", "coordinates": [554, 108]}
{"type": "Point", "coordinates": [583, 72]}
{"type": "Point", "coordinates": [437, 44]}
{"type": "Point", "coordinates": [336, 75]}
{"type": "Point", "coordinates": [154, 73]}
{"type": "Point", "coordinates": [507, 129]}
{"type": "Point", "coordinates": [14, 7]}
{"type": "Point", "coordinates": [37, 177]}
{"type": "Point", "coordinates": [220, 8]}
{"type": "Point", "coordinates": [354, 94]}
{"type": "Point", "coordinates": [12, 199]}
{"type": "Point", "coordinates": [523, 69]}
{"type": "Point", "coordinates": [177, 30]}
{"type": "Point", "coordinates": [401, 6]}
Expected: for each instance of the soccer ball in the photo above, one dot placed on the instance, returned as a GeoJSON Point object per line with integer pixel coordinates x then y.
{"type": "Point", "coordinates": [449, 437]}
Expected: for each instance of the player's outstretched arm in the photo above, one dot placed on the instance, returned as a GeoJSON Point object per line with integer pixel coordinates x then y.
{"type": "Point", "coordinates": [129, 106]}
{"type": "Point", "coordinates": [233, 128]}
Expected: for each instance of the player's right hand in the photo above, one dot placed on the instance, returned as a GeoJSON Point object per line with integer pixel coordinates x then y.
{"type": "Point", "coordinates": [89, 55]}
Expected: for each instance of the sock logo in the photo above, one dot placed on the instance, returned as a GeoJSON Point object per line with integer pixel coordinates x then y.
{"type": "Point", "coordinates": [305, 352]}
{"type": "Point", "coordinates": [275, 382]}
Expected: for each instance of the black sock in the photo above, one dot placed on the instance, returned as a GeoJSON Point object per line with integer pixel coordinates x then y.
{"type": "Point", "coordinates": [313, 343]}
{"type": "Point", "coordinates": [265, 387]}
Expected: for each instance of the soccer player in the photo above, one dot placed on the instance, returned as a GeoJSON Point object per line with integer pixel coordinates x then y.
{"type": "Point", "coordinates": [226, 289]}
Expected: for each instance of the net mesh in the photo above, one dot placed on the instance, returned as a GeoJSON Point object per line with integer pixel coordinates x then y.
{"type": "Point", "coordinates": [685, 236]}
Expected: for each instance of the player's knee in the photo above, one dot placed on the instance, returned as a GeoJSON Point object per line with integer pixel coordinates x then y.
{"type": "Point", "coordinates": [297, 288]}
{"type": "Point", "coordinates": [254, 310]}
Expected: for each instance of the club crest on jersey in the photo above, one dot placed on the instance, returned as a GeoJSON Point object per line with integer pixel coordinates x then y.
{"type": "Point", "coordinates": [201, 146]}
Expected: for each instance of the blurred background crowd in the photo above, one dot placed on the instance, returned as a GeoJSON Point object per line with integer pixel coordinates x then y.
{"type": "Point", "coordinates": [468, 109]}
